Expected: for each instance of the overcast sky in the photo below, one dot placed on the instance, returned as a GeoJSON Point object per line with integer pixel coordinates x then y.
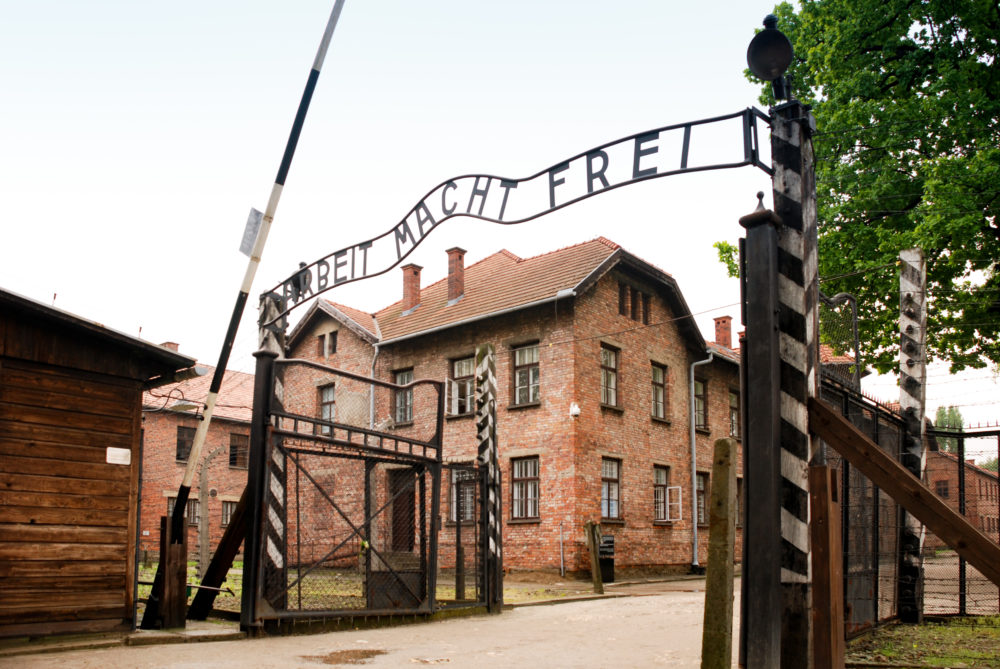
{"type": "Point", "coordinates": [135, 137]}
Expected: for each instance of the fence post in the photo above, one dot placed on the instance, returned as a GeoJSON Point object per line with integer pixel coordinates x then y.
{"type": "Point", "coordinates": [486, 428]}
{"type": "Point", "coordinates": [912, 388]}
{"type": "Point", "coordinates": [717, 627]}
{"type": "Point", "coordinates": [592, 531]}
{"type": "Point", "coordinates": [828, 572]}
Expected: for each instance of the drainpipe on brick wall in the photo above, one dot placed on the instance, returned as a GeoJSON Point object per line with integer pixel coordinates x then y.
{"type": "Point", "coordinates": [694, 464]}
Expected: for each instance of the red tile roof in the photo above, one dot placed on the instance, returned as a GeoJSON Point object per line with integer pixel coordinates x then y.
{"type": "Point", "coordinates": [235, 399]}
{"type": "Point", "coordinates": [827, 356]}
{"type": "Point", "coordinates": [497, 283]}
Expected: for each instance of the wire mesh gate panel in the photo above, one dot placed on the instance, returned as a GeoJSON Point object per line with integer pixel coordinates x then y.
{"type": "Point", "coordinates": [869, 517]}
{"type": "Point", "coordinates": [350, 496]}
{"type": "Point", "coordinates": [952, 587]}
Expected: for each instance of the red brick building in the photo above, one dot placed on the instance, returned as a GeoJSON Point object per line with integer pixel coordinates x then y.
{"type": "Point", "coordinates": [169, 420]}
{"type": "Point", "coordinates": [595, 366]}
{"type": "Point", "coordinates": [982, 504]}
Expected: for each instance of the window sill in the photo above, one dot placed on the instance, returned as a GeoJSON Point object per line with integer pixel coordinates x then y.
{"type": "Point", "coordinates": [702, 430]}
{"type": "Point", "coordinates": [612, 521]}
{"type": "Point", "coordinates": [613, 407]}
{"type": "Point", "coordinates": [456, 416]}
{"type": "Point", "coordinates": [524, 521]}
{"type": "Point", "coordinates": [664, 523]}
{"type": "Point", "coordinates": [465, 523]}
{"type": "Point", "coordinates": [529, 405]}
{"type": "Point", "coordinates": [241, 467]}
{"type": "Point", "coordinates": [661, 421]}
{"type": "Point", "coordinates": [406, 424]}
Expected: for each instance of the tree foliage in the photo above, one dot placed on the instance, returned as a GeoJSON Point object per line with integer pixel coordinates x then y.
{"type": "Point", "coordinates": [948, 418]}
{"type": "Point", "coordinates": [906, 95]}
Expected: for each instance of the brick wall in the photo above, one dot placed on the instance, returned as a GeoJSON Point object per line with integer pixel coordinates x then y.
{"type": "Point", "coordinates": [569, 335]}
{"type": "Point", "coordinates": [162, 475]}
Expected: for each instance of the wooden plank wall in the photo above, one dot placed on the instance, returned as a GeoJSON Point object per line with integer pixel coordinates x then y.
{"type": "Point", "coordinates": [67, 528]}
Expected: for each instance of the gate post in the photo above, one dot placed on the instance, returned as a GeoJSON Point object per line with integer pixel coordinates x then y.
{"type": "Point", "coordinates": [486, 429]}
{"type": "Point", "coordinates": [760, 628]}
{"type": "Point", "coordinates": [266, 387]}
{"type": "Point", "coordinates": [912, 388]}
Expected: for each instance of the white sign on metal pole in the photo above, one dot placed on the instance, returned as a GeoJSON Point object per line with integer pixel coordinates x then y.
{"type": "Point", "coordinates": [250, 232]}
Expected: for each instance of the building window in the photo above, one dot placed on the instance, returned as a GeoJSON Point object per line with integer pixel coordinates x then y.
{"type": "Point", "coordinates": [327, 344]}
{"type": "Point", "coordinates": [239, 449]}
{"type": "Point", "coordinates": [228, 508]}
{"type": "Point", "coordinates": [526, 375]}
{"type": "Point", "coordinates": [701, 490]}
{"type": "Point", "coordinates": [609, 376]}
{"type": "Point", "coordinates": [659, 403]}
{"type": "Point", "coordinates": [191, 512]}
{"type": "Point", "coordinates": [185, 439]}
{"type": "Point", "coordinates": [661, 480]}
{"type": "Point", "coordinates": [700, 405]}
{"type": "Point", "coordinates": [461, 386]}
{"type": "Point", "coordinates": [524, 487]}
{"type": "Point", "coordinates": [403, 399]}
{"type": "Point", "coordinates": [633, 303]}
{"type": "Point", "coordinates": [327, 407]}
{"type": "Point", "coordinates": [462, 490]}
{"type": "Point", "coordinates": [734, 414]}
{"type": "Point", "coordinates": [636, 304]}
{"type": "Point", "coordinates": [941, 488]}
{"type": "Point", "coordinates": [610, 488]}
{"type": "Point", "coordinates": [622, 299]}
{"type": "Point", "coordinates": [645, 309]}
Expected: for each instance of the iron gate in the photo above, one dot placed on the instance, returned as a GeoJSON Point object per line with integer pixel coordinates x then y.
{"type": "Point", "coordinates": [347, 515]}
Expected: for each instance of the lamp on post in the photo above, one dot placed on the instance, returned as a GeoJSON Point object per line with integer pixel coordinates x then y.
{"type": "Point", "coordinates": [769, 55]}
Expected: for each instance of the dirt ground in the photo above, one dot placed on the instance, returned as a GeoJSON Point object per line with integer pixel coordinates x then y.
{"type": "Point", "coordinates": [656, 624]}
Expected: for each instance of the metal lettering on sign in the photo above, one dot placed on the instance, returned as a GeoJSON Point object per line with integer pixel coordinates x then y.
{"type": "Point", "coordinates": [647, 155]}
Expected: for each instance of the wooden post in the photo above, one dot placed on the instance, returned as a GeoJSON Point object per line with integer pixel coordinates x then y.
{"type": "Point", "coordinates": [173, 557]}
{"type": "Point", "coordinates": [593, 533]}
{"type": "Point", "coordinates": [717, 629]}
{"type": "Point", "coordinates": [827, 569]}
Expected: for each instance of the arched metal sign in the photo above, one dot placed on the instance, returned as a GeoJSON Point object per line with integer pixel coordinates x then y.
{"type": "Point", "coordinates": [647, 155]}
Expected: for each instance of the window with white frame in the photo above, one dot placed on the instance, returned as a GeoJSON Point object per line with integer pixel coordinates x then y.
{"type": "Point", "coordinates": [462, 495]}
{"type": "Point", "coordinates": [228, 509]}
{"type": "Point", "coordinates": [239, 450]}
{"type": "Point", "coordinates": [526, 375]}
{"type": "Point", "coordinates": [734, 414]}
{"type": "Point", "coordinates": [403, 398]}
{"type": "Point", "coordinates": [185, 439]}
{"type": "Point", "coordinates": [327, 406]}
{"type": "Point", "coordinates": [701, 490]}
{"type": "Point", "coordinates": [609, 375]}
{"type": "Point", "coordinates": [611, 488]}
{"type": "Point", "coordinates": [666, 498]}
{"type": "Point", "coordinates": [462, 386]}
{"type": "Point", "coordinates": [524, 487]}
{"type": "Point", "coordinates": [191, 512]}
{"type": "Point", "coordinates": [700, 405]}
{"type": "Point", "coordinates": [659, 400]}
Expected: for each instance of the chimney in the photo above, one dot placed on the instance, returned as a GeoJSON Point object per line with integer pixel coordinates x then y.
{"type": "Point", "coordinates": [723, 331]}
{"type": "Point", "coordinates": [456, 274]}
{"type": "Point", "coordinates": [411, 287]}
{"type": "Point", "coordinates": [172, 345]}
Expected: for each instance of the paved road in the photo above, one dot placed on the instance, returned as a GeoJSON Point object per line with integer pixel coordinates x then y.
{"type": "Point", "coordinates": [658, 626]}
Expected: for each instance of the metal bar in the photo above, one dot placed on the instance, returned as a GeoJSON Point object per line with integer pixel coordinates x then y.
{"type": "Point", "coordinates": [194, 457]}
{"type": "Point", "coordinates": [962, 584]}
{"type": "Point", "coordinates": [686, 146]}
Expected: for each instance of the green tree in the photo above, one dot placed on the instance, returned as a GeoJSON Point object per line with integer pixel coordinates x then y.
{"type": "Point", "coordinates": [906, 96]}
{"type": "Point", "coordinates": [990, 464]}
{"type": "Point", "coordinates": [948, 418]}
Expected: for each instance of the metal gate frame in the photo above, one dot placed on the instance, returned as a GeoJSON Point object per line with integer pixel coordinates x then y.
{"type": "Point", "coordinates": [265, 563]}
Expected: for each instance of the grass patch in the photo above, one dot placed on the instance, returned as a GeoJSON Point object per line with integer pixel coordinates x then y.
{"type": "Point", "coordinates": [957, 642]}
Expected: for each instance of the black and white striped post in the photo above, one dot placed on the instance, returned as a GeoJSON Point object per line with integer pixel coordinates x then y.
{"type": "Point", "coordinates": [912, 390]}
{"type": "Point", "coordinates": [151, 615]}
{"type": "Point", "coordinates": [486, 430]}
{"type": "Point", "coordinates": [794, 186]}
{"type": "Point", "coordinates": [780, 295]}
